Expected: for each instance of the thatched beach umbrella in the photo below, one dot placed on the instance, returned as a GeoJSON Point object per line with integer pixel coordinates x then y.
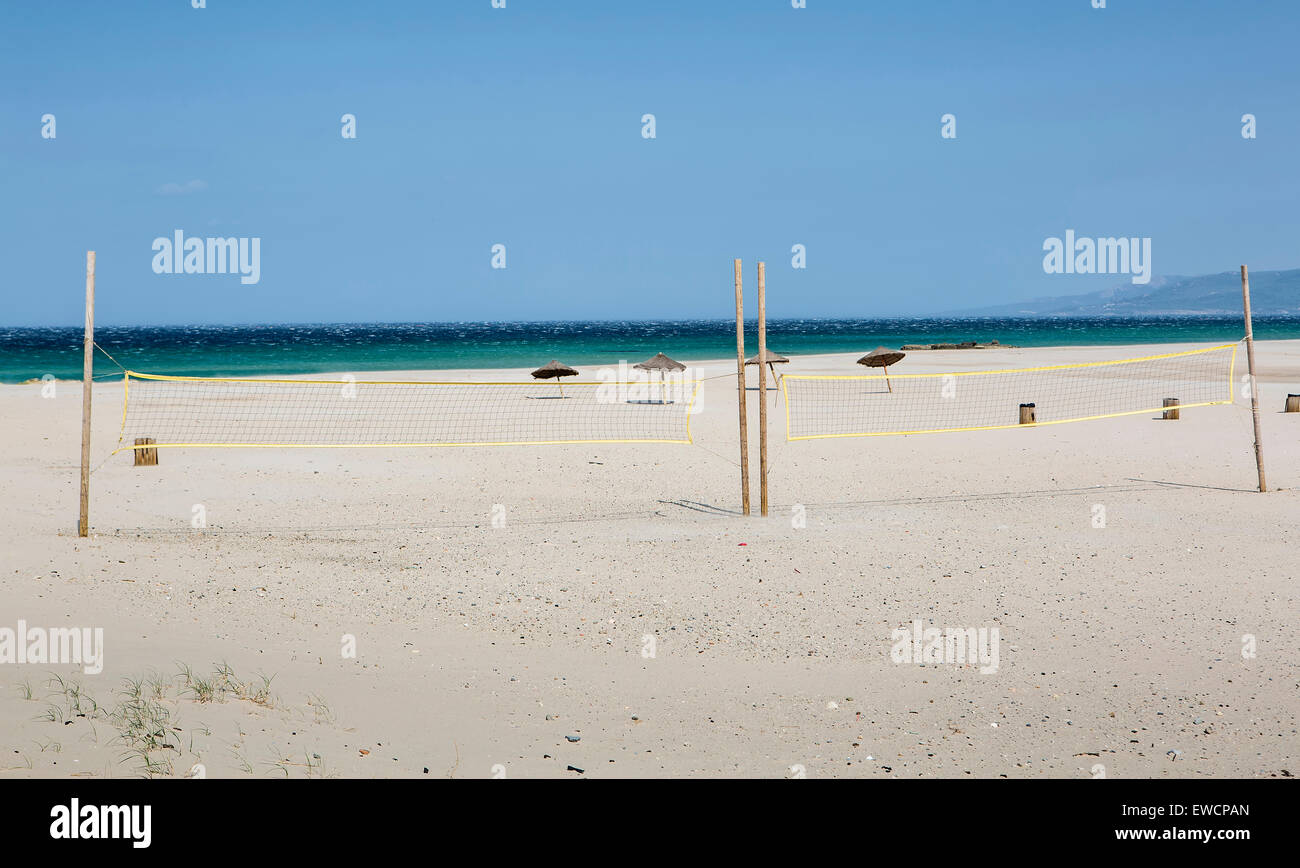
{"type": "Point", "coordinates": [661, 363]}
{"type": "Point", "coordinates": [771, 359]}
{"type": "Point", "coordinates": [882, 357]}
{"type": "Point", "coordinates": [553, 370]}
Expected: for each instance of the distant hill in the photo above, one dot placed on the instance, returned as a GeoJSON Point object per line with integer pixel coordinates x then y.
{"type": "Point", "coordinates": [1271, 292]}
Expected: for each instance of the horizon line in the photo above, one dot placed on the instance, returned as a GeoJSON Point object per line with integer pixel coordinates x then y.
{"type": "Point", "coordinates": [685, 320]}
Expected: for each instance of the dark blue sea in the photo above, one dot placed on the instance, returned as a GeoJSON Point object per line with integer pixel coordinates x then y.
{"type": "Point", "coordinates": [30, 353]}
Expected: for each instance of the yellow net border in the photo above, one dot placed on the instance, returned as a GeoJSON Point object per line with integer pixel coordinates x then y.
{"type": "Point", "coordinates": [129, 375]}
{"type": "Point", "coordinates": [787, 378]}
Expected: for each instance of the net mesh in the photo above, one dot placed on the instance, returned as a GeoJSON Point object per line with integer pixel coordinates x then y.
{"type": "Point", "coordinates": [880, 404]}
{"type": "Point", "coordinates": [196, 411]}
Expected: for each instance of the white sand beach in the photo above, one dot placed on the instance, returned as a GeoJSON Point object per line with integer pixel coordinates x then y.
{"type": "Point", "coordinates": [521, 650]}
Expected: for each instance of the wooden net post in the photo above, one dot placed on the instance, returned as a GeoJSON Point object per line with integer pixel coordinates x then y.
{"type": "Point", "coordinates": [742, 398]}
{"type": "Point", "coordinates": [87, 385]}
{"type": "Point", "coordinates": [762, 390]}
{"type": "Point", "coordinates": [1250, 364]}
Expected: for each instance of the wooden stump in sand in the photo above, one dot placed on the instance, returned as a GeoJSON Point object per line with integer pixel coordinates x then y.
{"type": "Point", "coordinates": [1292, 404]}
{"type": "Point", "coordinates": [1027, 414]}
{"type": "Point", "coordinates": [1170, 414]}
{"type": "Point", "coordinates": [145, 457]}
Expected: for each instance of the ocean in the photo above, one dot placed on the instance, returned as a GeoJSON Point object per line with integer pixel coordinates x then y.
{"type": "Point", "coordinates": [253, 350]}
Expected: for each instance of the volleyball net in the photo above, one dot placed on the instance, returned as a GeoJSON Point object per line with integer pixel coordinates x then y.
{"type": "Point", "coordinates": [888, 403]}
{"type": "Point", "coordinates": [227, 412]}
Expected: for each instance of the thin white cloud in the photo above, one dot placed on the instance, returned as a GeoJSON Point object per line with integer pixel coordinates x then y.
{"type": "Point", "coordinates": [173, 189]}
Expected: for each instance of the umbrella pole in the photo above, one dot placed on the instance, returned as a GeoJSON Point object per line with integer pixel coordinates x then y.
{"type": "Point", "coordinates": [886, 367]}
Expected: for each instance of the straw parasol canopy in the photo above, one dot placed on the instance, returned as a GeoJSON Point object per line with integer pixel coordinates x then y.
{"type": "Point", "coordinates": [882, 357]}
{"type": "Point", "coordinates": [661, 363]}
{"type": "Point", "coordinates": [768, 356]}
{"type": "Point", "coordinates": [553, 370]}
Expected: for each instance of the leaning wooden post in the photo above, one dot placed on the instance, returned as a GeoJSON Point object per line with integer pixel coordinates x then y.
{"type": "Point", "coordinates": [87, 385]}
{"type": "Point", "coordinates": [740, 392]}
{"type": "Point", "coordinates": [762, 391]}
{"type": "Point", "coordinates": [1250, 364]}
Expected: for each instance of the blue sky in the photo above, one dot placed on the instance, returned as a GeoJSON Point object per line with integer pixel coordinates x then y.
{"type": "Point", "coordinates": [522, 126]}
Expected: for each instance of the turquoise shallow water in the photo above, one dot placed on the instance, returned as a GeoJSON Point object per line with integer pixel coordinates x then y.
{"type": "Point", "coordinates": [30, 353]}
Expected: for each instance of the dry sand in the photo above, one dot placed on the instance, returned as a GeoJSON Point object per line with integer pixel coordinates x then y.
{"type": "Point", "coordinates": [483, 650]}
